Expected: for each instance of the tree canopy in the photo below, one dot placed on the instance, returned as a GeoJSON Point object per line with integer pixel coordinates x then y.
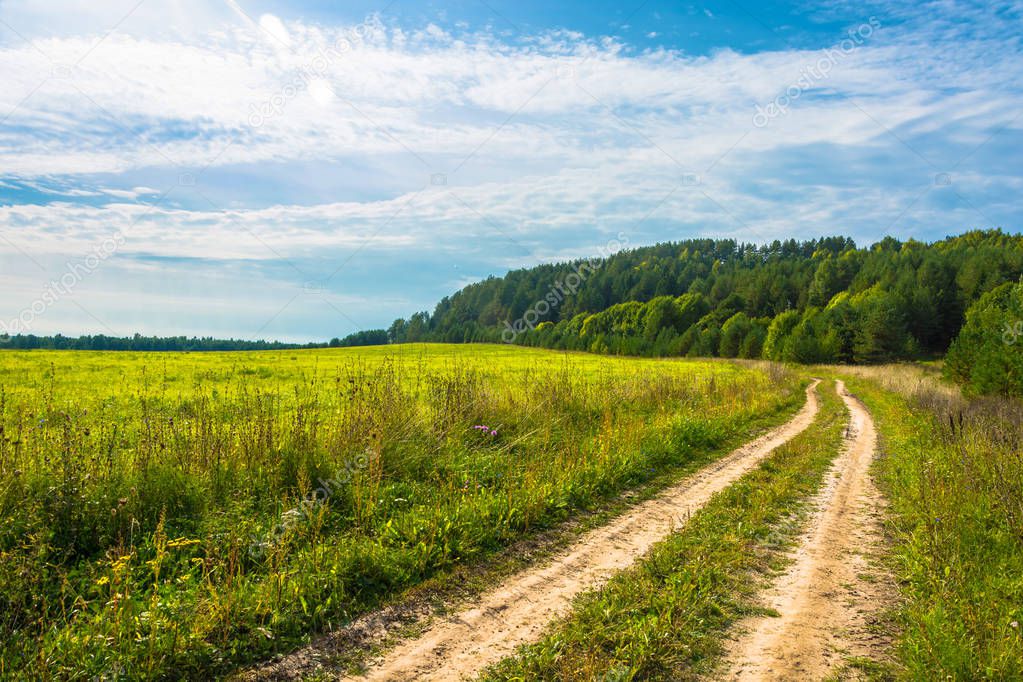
{"type": "Point", "coordinates": [822, 300]}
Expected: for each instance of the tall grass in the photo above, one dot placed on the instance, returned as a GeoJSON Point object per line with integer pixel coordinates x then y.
{"type": "Point", "coordinates": [181, 521]}
{"type": "Point", "coordinates": [953, 470]}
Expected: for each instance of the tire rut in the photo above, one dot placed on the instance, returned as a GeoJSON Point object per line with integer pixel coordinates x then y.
{"type": "Point", "coordinates": [827, 601]}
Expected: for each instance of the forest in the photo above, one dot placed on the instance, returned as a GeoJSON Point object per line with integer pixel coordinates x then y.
{"type": "Point", "coordinates": [817, 301]}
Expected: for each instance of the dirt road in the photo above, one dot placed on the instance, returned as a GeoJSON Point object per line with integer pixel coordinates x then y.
{"type": "Point", "coordinates": [825, 600]}
{"type": "Point", "coordinates": [518, 610]}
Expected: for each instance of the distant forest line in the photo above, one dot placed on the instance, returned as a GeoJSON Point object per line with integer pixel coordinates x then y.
{"type": "Point", "coordinates": [138, 342]}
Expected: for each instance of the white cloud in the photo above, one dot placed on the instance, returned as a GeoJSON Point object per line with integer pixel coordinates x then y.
{"type": "Point", "coordinates": [135, 103]}
{"type": "Point", "coordinates": [548, 144]}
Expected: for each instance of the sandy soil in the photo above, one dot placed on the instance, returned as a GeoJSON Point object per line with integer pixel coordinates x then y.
{"type": "Point", "coordinates": [831, 595]}
{"type": "Point", "coordinates": [518, 610]}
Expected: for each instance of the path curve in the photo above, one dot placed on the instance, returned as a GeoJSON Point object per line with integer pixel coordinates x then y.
{"type": "Point", "coordinates": [518, 610]}
{"type": "Point", "coordinates": [825, 603]}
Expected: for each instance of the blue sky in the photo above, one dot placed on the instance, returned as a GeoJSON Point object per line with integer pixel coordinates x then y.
{"type": "Point", "coordinates": [301, 170]}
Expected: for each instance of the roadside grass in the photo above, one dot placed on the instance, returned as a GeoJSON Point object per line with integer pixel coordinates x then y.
{"type": "Point", "coordinates": [407, 614]}
{"type": "Point", "coordinates": [164, 515]}
{"type": "Point", "coordinates": [665, 618]}
{"type": "Point", "coordinates": [952, 469]}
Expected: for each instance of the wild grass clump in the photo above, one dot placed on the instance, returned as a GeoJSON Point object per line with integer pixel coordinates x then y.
{"type": "Point", "coordinates": [182, 519]}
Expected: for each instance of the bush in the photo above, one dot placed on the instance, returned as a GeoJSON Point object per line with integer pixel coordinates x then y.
{"type": "Point", "coordinates": [987, 356]}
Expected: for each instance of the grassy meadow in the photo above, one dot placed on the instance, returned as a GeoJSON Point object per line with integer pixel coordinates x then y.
{"type": "Point", "coordinates": [167, 515]}
{"type": "Point", "coordinates": [952, 470]}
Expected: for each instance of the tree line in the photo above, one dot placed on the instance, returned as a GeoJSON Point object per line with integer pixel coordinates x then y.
{"type": "Point", "coordinates": [817, 301]}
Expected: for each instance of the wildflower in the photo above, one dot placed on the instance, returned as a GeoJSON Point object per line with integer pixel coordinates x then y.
{"type": "Point", "coordinates": [493, 432]}
{"type": "Point", "coordinates": [121, 562]}
{"type": "Point", "coordinates": [1014, 624]}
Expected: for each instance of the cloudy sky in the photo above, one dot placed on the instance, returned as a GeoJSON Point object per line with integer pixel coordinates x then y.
{"type": "Point", "coordinates": [261, 169]}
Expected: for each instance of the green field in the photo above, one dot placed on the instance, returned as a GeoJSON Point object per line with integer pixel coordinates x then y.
{"type": "Point", "coordinates": [180, 515]}
{"type": "Point", "coordinates": [952, 470]}
{"type": "Point", "coordinates": [183, 516]}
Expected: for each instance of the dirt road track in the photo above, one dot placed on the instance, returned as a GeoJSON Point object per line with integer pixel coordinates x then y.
{"type": "Point", "coordinates": [824, 601]}
{"type": "Point", "coordinates": [518, 610]}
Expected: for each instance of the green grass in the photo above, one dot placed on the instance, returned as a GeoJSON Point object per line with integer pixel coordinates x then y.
{"type": "Point", "coordinates": [953, 472]}
{"type": "Point", "coordinates": [159, 513]}
{"type": "Point", "coordinates": [665, 618]}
